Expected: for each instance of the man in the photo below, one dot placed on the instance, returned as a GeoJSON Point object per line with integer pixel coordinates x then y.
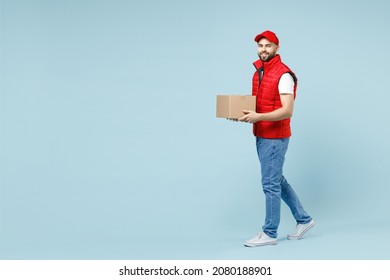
{"type": "Point", "coordinates": [274, 85]}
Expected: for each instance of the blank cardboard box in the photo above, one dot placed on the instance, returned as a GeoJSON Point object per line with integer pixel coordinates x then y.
{"type": "Point", "coordinates": [231, 106]}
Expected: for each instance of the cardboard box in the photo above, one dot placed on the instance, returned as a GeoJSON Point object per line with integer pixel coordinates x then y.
{"type": "Point", "coordinates": [231, 106]}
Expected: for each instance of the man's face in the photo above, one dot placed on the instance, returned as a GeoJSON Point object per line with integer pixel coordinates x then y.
{"type": "Point", "coordinates": [266, 49]}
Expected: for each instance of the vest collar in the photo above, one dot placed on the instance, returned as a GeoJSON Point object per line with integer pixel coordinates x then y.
{"type": "Point", "coordinates": [261, 65]}
{"type": "Point", "coordinates": [258, 64]}
{"type": "Point", "coordinates": [274, 61]}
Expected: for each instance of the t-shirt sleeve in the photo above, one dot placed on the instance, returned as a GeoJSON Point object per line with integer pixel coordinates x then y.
{"type": "Point", "coordinates": [286, 84]}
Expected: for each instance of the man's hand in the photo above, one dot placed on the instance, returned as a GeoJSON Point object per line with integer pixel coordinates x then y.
{"type": "Point", "coordinates": [250, 117]}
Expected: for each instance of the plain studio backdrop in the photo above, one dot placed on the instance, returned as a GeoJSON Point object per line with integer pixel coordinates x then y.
{"type": "Point", "coordinates": [110, 148]}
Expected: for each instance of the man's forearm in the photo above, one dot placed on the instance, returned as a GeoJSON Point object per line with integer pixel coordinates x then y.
{"type": "Point", "coordinates": [277, 115]}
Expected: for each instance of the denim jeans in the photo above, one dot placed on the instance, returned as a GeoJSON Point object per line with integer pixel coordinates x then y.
{"type": "Point", "coordinates": [271, 154]}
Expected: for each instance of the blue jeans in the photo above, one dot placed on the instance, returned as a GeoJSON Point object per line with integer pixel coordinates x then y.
{"type": "Point", "coordinates": [271, 154]}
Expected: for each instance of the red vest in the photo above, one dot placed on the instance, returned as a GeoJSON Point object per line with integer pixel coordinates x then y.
{"type": "Point", "coordinates": [268, 97]}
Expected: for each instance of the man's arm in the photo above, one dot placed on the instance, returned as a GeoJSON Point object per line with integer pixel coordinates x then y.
{"type": "Point", "coordinates": [282, 113]}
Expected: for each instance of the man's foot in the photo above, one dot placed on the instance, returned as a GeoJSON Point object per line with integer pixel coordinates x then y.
{"type": "Point", "coordinates": [301, 230]}
{"type": "Point", "coordinates": [260, 240]}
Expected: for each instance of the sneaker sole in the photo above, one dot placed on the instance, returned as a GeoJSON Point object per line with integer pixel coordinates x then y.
{"type": "Point", "coordinates": [293, 237]}
{"type": "Point", "coordinates": [262, 244]}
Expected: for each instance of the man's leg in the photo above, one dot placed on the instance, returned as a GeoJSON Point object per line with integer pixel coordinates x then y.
{"type": "Point", "coordinates": [271, 154]}
{"type": "Point", "coordinates": [304, 221]}
{"type": "Point", "coordinates": [293, 202]}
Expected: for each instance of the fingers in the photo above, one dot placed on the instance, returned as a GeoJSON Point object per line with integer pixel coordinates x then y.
{"type": "Point", "coordinates": [243, 119]}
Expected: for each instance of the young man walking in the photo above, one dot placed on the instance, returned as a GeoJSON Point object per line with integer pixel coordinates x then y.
{"type": "Point", "coordinates": [274, 86]}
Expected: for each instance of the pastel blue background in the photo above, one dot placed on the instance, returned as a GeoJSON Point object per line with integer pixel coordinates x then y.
{"type": "Point", "coordinates": [110, 148]}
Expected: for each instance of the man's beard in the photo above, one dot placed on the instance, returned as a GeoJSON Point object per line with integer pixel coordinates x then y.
{"type": "Point", "coordinates": [264, 56]}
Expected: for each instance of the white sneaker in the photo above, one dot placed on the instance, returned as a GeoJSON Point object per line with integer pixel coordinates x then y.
{"type": "Point", "coordinates": [301, 230]}
{"type": "Point", "coordinates": [260, 240]}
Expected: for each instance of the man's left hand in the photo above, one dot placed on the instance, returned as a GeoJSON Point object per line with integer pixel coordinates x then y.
{"type": "Point", "coordinates": [249, 117]}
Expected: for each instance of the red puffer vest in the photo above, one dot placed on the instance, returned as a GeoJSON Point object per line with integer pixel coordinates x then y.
{"type": "Point", "coordinates": [265, 89]}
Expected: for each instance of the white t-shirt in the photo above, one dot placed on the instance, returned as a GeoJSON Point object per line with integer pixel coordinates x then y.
{"type": "Point", "coordinates": [286, 84]}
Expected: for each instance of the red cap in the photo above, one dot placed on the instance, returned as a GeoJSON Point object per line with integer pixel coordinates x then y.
{"type": "Point", "coordinates": [269, 35]}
